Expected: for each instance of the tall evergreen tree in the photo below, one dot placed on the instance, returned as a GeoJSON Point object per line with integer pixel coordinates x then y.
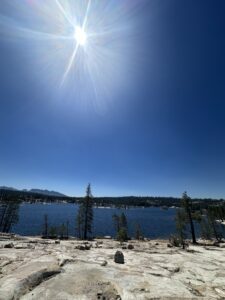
{"type": "Point", "coordinates": [123, 221]}
{"type": "Point", "coordinates": [120, 223]}
{"type": "Point", "coordinates": [138, 233]}
{"type": "Point", "coordinates": [9, 214]}
{"type": "Point", "coordinates": [116, 221]}
{"type": "Point", "coordinates": [181, 226]}
{"type": "Point", "coordinates": [85, 215]}
{"type": "Point", "coordinates": [214, 224]}
{"type": "Point", "coordinates": [186, 204]}
{"type": "Point", "coordinates": [206, 228]}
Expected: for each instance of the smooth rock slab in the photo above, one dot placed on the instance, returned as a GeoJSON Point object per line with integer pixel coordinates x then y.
{"type": "Point", "coordinates": [59, 271]}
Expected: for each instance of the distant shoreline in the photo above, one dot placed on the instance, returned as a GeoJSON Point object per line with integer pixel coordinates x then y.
{"type": "Point", "coordinates": [97, 206]}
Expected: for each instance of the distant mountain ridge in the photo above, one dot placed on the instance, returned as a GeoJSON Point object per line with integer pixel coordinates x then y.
{"type": "Point", "coordinates": [8, 188]}
{"type": "Point", "coordinates": [47, 192]}
{"type": "Point", "coordinates": [35, 191]}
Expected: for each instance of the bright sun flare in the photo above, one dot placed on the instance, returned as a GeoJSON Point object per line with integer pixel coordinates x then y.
{"type": "Point", "coordinates": [80, 36]}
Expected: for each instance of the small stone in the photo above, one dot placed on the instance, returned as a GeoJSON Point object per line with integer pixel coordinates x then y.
{"type": "Point", "coordinates": [130, 247]}
{"type": "Point", "coordinates": [216, 244]}
{"type": "Point", "coordinates": [10, 245]}
{"type": "Point", "coordinates": [87, 247]}
{"type": "Point", "coordinates": [83, 247]}
{"type": "Point", "coordinates": [80, 247]}
{"type": "Point", "coordinates": [119, 257]}
{"type": "Point", "coordinates": [33, 242]}
{"type": "Point", "coordinates": [57, 242]}
{"type": "Point", "coordinates": [99, 294]}
{"type": "Point", "coordinates": [176, 270]}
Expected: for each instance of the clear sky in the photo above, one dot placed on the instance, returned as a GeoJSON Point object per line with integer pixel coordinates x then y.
{"type": "Point", "coordinates": [138, 110]}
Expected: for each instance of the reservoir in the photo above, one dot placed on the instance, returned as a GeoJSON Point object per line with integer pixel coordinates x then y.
{"type": "Point", "coordinates": [155, 222]}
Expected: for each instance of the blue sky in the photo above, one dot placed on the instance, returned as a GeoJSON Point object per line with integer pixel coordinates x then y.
{"type": "Point", "coordinates": [147, 118]}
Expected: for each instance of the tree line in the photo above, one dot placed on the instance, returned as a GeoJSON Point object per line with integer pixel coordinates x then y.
{"type": "Point", "coordinates": [189, 214]}
{"type": "Point", "coordinates": [119, 202]}
{"type": "Point", "coordinates": [209, 222]}
{"type": "Point", "coordinates": [208, 217]}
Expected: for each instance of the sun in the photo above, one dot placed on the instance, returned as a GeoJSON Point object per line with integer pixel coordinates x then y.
{"type": "Point", "coordinates": [80, 36]}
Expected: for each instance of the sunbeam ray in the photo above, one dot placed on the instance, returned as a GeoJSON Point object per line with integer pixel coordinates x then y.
{"type": "Point", "coordinates": [20, 31]}
{"type": "Point", "coordinates": [86, 15]}
{"type": "Point", "coordinates": [64, 12]}
{"type": "Point", "coordinates": [71, 61]}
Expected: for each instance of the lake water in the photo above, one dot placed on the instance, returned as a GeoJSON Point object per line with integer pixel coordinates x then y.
{"type": "Point", "coordinates": [155, 222]}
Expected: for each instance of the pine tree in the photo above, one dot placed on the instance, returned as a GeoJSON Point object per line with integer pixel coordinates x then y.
{"type": "Point", "coordinates": [122, 235]}
{"type": "Point", "coordinates": [85, 215]}
{"type": "Point", "coordinates": [206, 229]}
{"type": "Point", "coordinates": [53, 232]}
{"type": "Point", "coordinates": [181, 226]}
{"type": "Point", "coordinates": [9, 213]}
{"type": "Point", "coordinates": [120, 223]}
{"type": "Point", "coordinates": [123, 221]}
{"type": "Point", "coordinates": [215, 226]}
{"type": "Point", "coordinates": [186, 204]}
{"type": "Point", "coordinates": [116, 221]}
{"type": "Point", "coordinates": [138, 233]}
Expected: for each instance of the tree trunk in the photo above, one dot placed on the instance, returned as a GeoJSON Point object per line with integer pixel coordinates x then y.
{"type": "Point", "coordinates": [86, 220]}
{"type": "Point", "coordinates": [215, 232]}
{"type": "Point", "coordinates": [192, 227]}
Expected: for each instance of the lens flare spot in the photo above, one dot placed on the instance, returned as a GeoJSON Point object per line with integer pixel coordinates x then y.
{"type": "Point", "coordinates": [80, 36]}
